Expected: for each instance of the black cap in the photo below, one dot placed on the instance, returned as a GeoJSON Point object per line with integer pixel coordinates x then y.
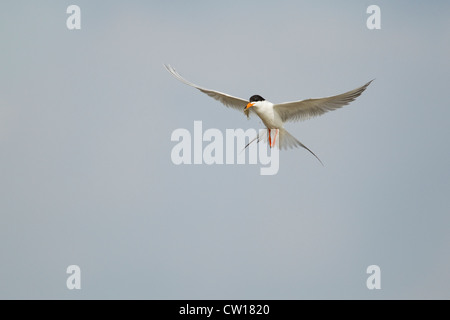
{"type": "Point", "coordinates": [256, 98]}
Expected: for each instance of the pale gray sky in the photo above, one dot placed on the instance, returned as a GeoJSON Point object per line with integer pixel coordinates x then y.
{"type": "Point", "coordinates": [86, 176]}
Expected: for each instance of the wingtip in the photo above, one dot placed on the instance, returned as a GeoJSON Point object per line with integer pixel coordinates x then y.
{"type": "Point", "coordinates": [167, 66]}
{"type": "Point", "coordinates": [364, 87]}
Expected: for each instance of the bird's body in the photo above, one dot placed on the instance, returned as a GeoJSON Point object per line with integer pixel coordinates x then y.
{"type": "Point", "coordinates": [268, 115]}
{"type": "Point", "coordinates": [275, 115]}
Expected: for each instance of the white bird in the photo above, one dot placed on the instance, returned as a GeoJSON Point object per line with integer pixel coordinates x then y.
{"type": "Point", "coordinates": [275, 115]}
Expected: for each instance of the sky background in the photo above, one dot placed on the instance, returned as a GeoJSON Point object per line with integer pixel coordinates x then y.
{"type": "Point", "coordinates": [86, 176]}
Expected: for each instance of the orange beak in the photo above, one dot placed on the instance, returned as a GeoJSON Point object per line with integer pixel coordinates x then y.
{"type": "Point", "coordinates": [249, 105]}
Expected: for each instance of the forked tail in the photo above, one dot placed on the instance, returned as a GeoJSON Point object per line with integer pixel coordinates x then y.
{"type": "Point", "coordinates": [288, 141]}
{"type": "Point", "coordinates": [284, 140]}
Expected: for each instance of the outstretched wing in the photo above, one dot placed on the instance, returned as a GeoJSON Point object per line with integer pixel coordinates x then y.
{"type": "Point", "coordinates": [226, 99]}
{"type": "Point", "coordinates": [305, 109]}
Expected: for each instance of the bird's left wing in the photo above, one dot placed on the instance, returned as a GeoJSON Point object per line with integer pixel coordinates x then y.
{"type": "Point", "coordinates": [305, 109]}
{"type": "Point", "coordinates": [226, 99]}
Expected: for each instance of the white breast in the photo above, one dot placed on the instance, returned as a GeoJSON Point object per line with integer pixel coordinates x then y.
{"type": "Point", "coordinates": [272, 120]}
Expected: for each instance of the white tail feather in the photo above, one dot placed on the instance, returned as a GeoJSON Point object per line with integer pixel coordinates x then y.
{"type": "Point", "coordinates": [284, 140]}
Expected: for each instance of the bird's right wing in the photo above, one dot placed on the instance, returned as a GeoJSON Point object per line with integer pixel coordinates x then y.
{"type": "Point", "coordinates": [302, 110]}
{"type": "Point", "coordinates": [226, 99]}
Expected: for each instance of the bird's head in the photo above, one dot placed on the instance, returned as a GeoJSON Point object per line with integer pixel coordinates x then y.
{"type": "Point", "coordinates": [254, 101]}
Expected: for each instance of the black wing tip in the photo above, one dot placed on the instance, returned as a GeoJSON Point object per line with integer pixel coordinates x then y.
{"type": "Point", "coordinates": [361, 89]}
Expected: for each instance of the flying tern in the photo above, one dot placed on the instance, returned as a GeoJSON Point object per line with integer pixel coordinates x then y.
{"type": "Point", "coordinates": [275, 115]}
